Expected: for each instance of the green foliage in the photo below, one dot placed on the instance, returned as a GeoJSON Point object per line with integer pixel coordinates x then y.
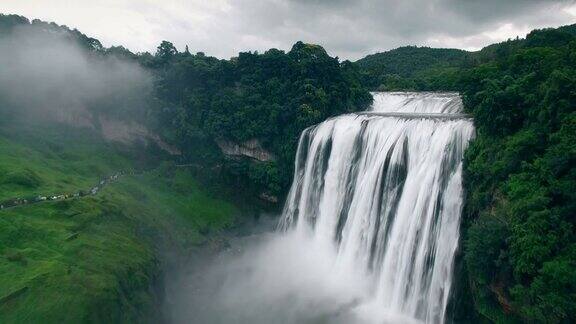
{"type": "Point", "coordinates": [166, 51]}
{"type": "Point", "coordinates": [42, 159]}
{"type": "Point", "coordinates": [486, 248]}
{"type": "Point", "coordinates": [412, 68]}
{"type": "Point", "coordinates": [265, 175]}
{"type": "Point", "coordinates": [198, 99]}
{"type": "Point", "coordinates": [25, 178]}
{"type": "Point", "coordinates": [8, 23]}
{"type": "Point", "coordinates": [271, 97]}
{"type": "Point", "coordinates": [97, 276]}
{"type": "Point", "coordinates": [521, 177]}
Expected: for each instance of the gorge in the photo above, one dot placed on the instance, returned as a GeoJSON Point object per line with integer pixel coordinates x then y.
{"type": "Point", "coordinates": [370, 226]}
{"type": "Point", "coordinates": [285, 185]}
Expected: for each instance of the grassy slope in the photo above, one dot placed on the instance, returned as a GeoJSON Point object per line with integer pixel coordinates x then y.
{"type": "Point", "coordinates": [52, 160]}
{"type": "Point", "coordinates": [93, 258]}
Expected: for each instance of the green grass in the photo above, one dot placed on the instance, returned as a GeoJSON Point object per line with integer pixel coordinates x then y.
{"type": "Point", "coordinates": [90, 259]}
{"type": "Point", "coordinates": [176, 193]}
{"type": "Point", "coordinates": [46, 160]}
{"type": "Point", "coordinates": [68, 266]}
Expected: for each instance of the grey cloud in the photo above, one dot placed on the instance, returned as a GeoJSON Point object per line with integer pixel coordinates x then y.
{"type": "Point", "coordinates": [349, 29]}
{"type": "Point", "coordinates": [355, 29]}
{"type": "Point", "coordinates": [490, 10]}
{"type": "Point", "coordinates": [45, 73]}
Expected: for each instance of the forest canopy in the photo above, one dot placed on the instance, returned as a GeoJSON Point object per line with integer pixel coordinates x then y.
{"type": "Point", "coordinates": [521, 176]}
{"type": "Point", "coordinates": [270, 97]}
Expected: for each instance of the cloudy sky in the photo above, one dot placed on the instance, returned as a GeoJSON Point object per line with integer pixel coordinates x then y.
{"type": "Point", "coordinates": [349, 29]}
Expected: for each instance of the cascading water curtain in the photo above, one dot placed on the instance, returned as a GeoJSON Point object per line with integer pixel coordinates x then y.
{"type": "Point", "coordinates": [386, 194]}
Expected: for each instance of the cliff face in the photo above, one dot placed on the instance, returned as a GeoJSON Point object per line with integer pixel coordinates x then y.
{"type": "Point", "coordinates": [251, 149]}
{"type": "Point", "coordinates": [127, 132]}
{"type": "Point", "coordinates": [131, 132]}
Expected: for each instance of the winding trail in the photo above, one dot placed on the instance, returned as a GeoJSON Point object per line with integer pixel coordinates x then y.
{"type": "Point", "coordinates": [18, 201]}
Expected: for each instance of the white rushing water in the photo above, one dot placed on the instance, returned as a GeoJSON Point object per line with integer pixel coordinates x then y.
{"type": "Point", "coordinates": [368, 233]}
{"type": "Point", "coordinates": [384, 196]}
{"type": "Point", "coordinates": [417, 102]}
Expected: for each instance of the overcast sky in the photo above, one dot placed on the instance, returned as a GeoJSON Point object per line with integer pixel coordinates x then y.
{"type": "Point", "coordinates": [348, 29]}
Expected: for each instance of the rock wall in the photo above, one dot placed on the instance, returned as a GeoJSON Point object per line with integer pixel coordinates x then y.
{"type": "Point", "coordinates": [131, 132]}
{"type": "Point", "coordinates": [127, 132]}
{"type": "Point", "coordinates": [251, 149]}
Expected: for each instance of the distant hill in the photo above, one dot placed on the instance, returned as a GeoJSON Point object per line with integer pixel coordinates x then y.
{"type": "Point", "coordinates": [547, 37]}
{"type": "Point", "coordinates": [407, 62]}
{"type": "Point", "coordinates": [426, 68]}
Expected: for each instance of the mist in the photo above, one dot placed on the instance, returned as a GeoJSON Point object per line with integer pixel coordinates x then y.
{"type": "Point", "coordinates": [275, 277]}
{"type": "Point", "coordinates": [268, 278]}
{"type": "Point", "coordinates": [46, 73]}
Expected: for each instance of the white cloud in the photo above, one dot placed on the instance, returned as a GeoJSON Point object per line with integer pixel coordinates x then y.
{"type": "Point", "coordinates": [347, 29]}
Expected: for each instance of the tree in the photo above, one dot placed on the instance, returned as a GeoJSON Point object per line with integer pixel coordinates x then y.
{"type": "Point", "coordinates": [166, 51]}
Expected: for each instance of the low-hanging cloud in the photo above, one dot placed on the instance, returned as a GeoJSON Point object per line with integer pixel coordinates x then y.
{"type": "Point", "coordinates": [45, 72]}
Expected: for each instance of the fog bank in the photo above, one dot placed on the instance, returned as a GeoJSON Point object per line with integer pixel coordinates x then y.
{"type": "Point", "coordinates": [46, 72]}
{"type": "Point", "coordinates": [269, 278]}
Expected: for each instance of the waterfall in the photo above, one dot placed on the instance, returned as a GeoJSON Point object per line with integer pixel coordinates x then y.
{"type": "Point", "coordinates": [384, 194]}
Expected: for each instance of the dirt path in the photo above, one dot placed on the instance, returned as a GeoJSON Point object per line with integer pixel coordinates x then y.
{"type": "Point", "coordinates": [18, 201]}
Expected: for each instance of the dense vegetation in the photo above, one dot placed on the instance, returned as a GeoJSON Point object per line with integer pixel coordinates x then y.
{"type": "Point", "coordinates": [521, 177]}
{"type": "Point", "coordinates": [271, 97]}
{"type": "Point", "coordinates": [412, 68]}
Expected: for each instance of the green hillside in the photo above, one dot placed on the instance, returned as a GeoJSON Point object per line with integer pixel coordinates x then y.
{"type": "Point", "coordinates": [94, 258]}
